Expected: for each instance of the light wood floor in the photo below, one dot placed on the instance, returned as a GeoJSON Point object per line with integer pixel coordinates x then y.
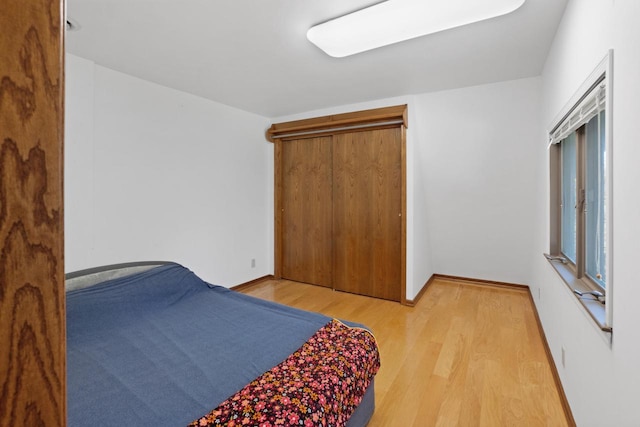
{"type": "Point", "coordinates": [465, 355]}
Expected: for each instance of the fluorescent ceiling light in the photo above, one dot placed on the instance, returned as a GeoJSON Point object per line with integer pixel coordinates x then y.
{"type": "Point", "coordinates": [394, 21]}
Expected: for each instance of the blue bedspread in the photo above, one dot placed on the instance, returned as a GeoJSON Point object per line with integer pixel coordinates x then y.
{"type": "Point", "coordinates": [163, 347]}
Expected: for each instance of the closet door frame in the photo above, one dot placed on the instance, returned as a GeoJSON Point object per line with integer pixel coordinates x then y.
{"type": "Point", "coordinates": [379, 118]}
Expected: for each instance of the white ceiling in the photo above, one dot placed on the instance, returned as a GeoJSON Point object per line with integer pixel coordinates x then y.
{"type": "Point", "coordinates": [254, 54]}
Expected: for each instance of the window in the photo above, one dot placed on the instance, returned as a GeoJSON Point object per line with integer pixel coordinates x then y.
{"type": "Point", "coordinates": [582, 203]}
{"type": "Point", "coordinates": [580, 166]}
{"type": "Point", "coordinates": [595, 200]}
{"type": "Point", "coordinates": [568, 201]}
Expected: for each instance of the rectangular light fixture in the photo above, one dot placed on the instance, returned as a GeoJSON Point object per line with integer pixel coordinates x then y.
{"type": "Point", "coordinates": [394, 21]}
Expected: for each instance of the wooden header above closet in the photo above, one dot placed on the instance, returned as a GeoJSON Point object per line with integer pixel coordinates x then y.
{"type": "Point", "coordinates": [339, 122]}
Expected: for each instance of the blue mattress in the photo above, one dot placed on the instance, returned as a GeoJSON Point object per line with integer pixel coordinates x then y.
{"type": "Point", "coordinates": [163, 347]}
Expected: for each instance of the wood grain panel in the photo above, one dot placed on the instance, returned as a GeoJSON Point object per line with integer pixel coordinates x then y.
{"type": "Point", "coordinates": [32, 317]}
{"type": "Point", "coordinates": [306, 216]}
{"type": "Point", "coordinates": [367, 213]}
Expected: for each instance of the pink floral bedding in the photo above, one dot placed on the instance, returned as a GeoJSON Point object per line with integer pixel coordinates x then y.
{"type": "Point", "coordinates": [318, 385]}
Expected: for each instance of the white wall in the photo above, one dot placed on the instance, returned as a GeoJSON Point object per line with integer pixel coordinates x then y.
{"type": "Point", "coordinates": [78, 167]}
{"type": "Point", "coordinates": [154, 173]}
{"type": "Point", "coordinates": [600, 378]}
{"type": "Point", "coordinates": [419, 246]}
{"type": "Point", "coordinates": [475, 150]}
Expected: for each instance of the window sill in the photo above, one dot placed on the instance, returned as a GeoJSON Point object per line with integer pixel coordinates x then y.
{"type": "Point", "coordinates": [595, 308]}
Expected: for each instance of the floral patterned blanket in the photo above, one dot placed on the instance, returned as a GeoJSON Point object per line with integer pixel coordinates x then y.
{"type": "Point", "coordinates": [318, 385]}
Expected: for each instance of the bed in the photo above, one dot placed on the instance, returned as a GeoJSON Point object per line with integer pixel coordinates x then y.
{"type": "Point", "coordinates": [152, 344]}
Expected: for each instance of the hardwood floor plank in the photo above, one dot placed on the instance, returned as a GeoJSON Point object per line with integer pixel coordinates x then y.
{"type": "Point", "coordinates": [467, 354]}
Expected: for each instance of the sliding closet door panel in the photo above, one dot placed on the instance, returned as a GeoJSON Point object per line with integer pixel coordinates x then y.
{"type": "Point", "coordinates": [306, 216]}
{"type": "Point", "coordinates": [367, 197]}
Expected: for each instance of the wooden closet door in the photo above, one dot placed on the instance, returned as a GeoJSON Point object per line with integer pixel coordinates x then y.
{"type": "Point", "coordinates": [306, 216]}
{"type": "Point", "coordinates": [367, 222]}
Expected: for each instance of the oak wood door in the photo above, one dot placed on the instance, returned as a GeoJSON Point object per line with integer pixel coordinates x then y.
{"type": "Point", "coordinates": [32, 298]}
{"type": "Point", "coordinates": [367, 221]}
{"type": "Point", "coordinates": [306, 216]}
